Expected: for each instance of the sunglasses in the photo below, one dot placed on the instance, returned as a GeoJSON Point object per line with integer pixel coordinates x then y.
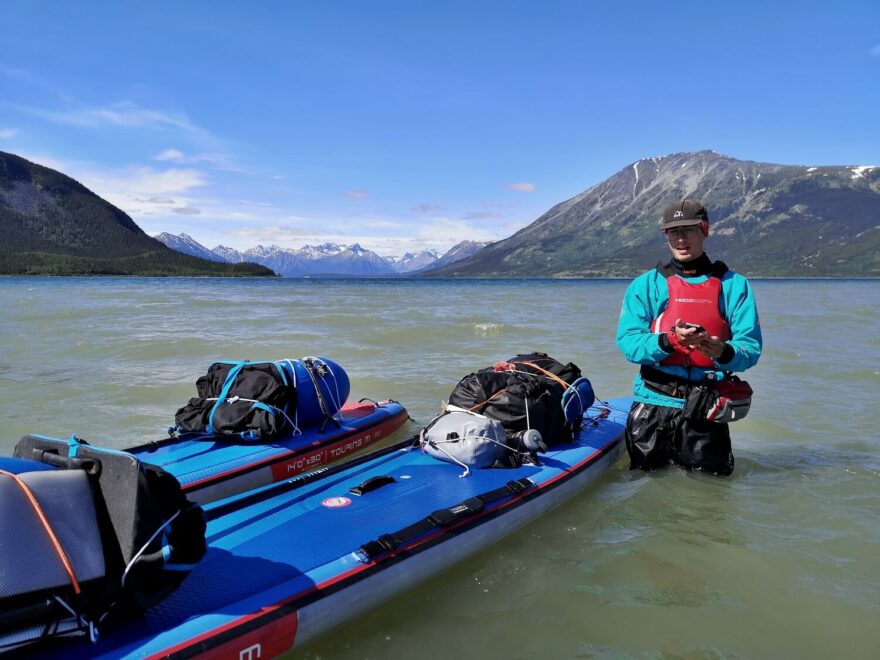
{"type": "Point", "coordinates": [682, 232]}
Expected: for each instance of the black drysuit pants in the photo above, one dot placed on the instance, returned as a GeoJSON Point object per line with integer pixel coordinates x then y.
{"type": "Point", "coordinates": [657, 436]}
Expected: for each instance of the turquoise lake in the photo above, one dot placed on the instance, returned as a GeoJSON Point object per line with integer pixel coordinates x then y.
{"type": "Point", "coordinates": [781, 560]}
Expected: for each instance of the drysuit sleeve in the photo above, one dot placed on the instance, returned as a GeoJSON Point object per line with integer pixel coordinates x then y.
{"type": "Point", "coordinates": [745, 328]}
{"type": "Point", "coordinates": [640, 306]}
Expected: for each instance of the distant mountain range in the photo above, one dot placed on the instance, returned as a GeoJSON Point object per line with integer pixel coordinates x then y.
{"type": "Point", "coordinates": [51, 224]}
{"type": "Point", "coordinates": [766, 220]}
{"type": "Point", "coordinates": [324, 260]}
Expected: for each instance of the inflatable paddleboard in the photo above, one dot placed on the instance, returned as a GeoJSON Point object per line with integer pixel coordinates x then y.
{"type": "Point", "coordinates": [211, 467]}
{"type": "Point", "coordinates": [292, 560]}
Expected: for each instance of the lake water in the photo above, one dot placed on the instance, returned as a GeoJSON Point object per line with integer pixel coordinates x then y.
{"type": "Point", "coordinates": [780, 560]}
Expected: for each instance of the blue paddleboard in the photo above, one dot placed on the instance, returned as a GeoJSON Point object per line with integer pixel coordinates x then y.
{"type": "Point", "coordinates": [292, 560]}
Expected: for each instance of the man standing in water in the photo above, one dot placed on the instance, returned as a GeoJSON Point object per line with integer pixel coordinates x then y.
{"type": "Point", "coordinates": [684, 321]}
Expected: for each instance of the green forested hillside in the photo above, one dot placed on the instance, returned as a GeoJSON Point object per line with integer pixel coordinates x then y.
{"type": "Point", "coordinates": [53, 225]}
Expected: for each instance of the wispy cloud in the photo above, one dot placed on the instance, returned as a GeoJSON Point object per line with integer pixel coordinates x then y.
{"type": "Point", "coordinates": [221, 161]}
{"type": "Point", "coordinates": [480, 215]}
{"type": "Point", "coordinates": [356, 194]}
{"type": "Point", "coordinates": [6, 133]}
{"type": "Point", "coordinates": [169, 154]}
{"type": "Point", "coordinates": [426, 208]}
{"type": "Point", "coordinates": [277, 234]}
{"type": "Point", "coordinates": [124, 114]}
{"type": "Point", "coordinates": [141, 191]}
{"type": "Point", "coordinates": [448, 232]}
{"type": "Point", "coordinates": [147, 182]}
{"type": "Point", "coordinates": [521, 186]}
{"type": "Point", "coordinates": [187, 210]}
{"type": "Point", "coordinates": [497, 205]}
{"type": "Point", "coordinates": [875, 51]}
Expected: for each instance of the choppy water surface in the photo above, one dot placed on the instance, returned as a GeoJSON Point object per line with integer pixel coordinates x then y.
{"type": "Point", "coordinates": [781, 560]}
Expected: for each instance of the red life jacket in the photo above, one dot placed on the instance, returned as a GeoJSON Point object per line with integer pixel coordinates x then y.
{"type": "Point", "coordinates": [693, 303]}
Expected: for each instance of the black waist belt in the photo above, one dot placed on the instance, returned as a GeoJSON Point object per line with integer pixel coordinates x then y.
{"type": "Point", "coordinates": [665, 383]}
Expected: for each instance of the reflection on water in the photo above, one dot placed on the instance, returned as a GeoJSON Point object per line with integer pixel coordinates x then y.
{"type": "Point", "coordinates": [780, 560]}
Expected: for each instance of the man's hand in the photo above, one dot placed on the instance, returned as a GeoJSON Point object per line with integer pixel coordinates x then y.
{"type": "Point", "coordinates": [712, 347]}
{"type": "Point", "coordinates": [689, 335]}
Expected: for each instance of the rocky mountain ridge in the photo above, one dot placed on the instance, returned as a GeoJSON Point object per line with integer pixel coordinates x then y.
{"type": "Point", "coordinates": [326, 259]}
{"type": "Point", "coordinates": [767, 220]}
{"type": "Point", "coordinates": [53, 225]}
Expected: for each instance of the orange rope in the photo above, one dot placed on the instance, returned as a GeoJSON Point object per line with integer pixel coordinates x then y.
{"type": "Point", "coordinates": [48, 527]}
{"type": "Point", "coordinates": [548, 374]}
{"type": "Point", "coordinates": [483, 403]}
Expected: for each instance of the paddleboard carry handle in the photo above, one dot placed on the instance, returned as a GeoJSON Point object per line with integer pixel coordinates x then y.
{"type": "Point", "coordinates": [371, 484]}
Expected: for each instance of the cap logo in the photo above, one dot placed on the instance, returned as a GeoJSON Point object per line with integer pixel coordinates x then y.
{"type": "Point", "coordinates": [678, 214]}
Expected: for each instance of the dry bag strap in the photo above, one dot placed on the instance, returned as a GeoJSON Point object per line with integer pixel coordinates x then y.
{"type": "Point", "coordinates": [65, 561]}
{"type": "Point", "coordinates": [442, 518]}
{"type": "Point", "coordinates": [483, 403]}
{"type": "Point", "coordinates": [549, 374]}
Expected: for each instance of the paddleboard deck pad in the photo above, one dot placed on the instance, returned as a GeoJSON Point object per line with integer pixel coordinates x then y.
{"type": "Point", "coordinates": [211, 467]}
{"type": "Point", "coordinates": [292, 560]}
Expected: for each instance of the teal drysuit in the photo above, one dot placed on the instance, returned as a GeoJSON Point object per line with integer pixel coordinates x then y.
{"type": "Point", "coordinates": [645, 300]}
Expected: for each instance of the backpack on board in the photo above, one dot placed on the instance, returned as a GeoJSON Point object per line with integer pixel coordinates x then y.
{"type": "Point", "coordinates": [262, 401]}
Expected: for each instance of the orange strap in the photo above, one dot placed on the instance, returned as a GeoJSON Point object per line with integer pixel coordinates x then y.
{"type": "Point", "coordinates": [48, 527]}
{"type": "Point", "coordinates": [483, 403]}
{"type": "Point", "coordinates": [548, 374]}
{"type": "Point", "coordinates": [511, 366]}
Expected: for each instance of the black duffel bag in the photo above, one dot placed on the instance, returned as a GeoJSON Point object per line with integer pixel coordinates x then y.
{"type": "Point", "coordinates": [525, 392]}
{"type": "Point", "coordinates": [247, 399]}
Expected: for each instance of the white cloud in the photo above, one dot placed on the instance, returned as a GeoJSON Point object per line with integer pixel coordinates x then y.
{"type": "Point", "coordinates": [221, 161]}
{"type": "Point", "coordinates": [875, 51]}
{"type": "Point", "coordinates": [523, 186]}
{"type": "Point", "coordinates": [169, 154]}
{"type": "Point", "coordinates": [125, 114]}
{"type": "Point", "coordinates": [145, 181]}
{"type": "Point", "coordinates": [356, 194]}
{"type": "Point", "coordinates": [187, 210]}
{"type": "Point", "coordinates": [129, 115]}
{"type": "Point", "coordinates": [6, 133]}
{"type": "Point", "coordinates": [276, 234]}
{"type": "Point", "coordinates": [141, 191]}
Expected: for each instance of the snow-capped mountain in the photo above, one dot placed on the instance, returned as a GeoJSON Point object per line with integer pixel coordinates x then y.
{"type": "Point", "coordinates": [413, 261]}
{"type": "Point", "coordinates": [326, 259]}
{"type": "Point", "coordinates": [228, 254]}
{"type": "Point", "coordinates": [463, 250]}
{"type": "Point", "coordinates": [188, 245]}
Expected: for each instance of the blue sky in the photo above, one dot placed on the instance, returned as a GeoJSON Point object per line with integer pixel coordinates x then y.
{"type": "Point", "coordinates": [406, 125]}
